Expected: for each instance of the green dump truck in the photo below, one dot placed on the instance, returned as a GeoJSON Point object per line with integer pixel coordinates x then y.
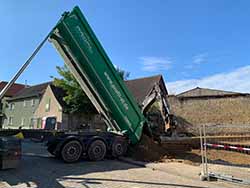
{"type": "Point", "coordinates": [92, 68]}
{"type": "Point", "coordinates": [90, 65]}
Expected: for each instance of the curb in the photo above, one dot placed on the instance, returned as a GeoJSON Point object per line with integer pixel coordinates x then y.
{"type": "Point", "coordinates": [36, 155]}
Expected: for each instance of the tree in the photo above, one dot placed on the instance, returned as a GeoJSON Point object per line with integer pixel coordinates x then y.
{"type": "Point", "coordinates": [123, 73]}
{"type": "Point", "coordinates": [76, 100]}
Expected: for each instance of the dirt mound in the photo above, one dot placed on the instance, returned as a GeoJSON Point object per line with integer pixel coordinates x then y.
{"type": "Point", "coordinates": [148, 151]}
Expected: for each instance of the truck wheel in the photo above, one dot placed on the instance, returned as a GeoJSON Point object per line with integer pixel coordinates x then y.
{"type": "Point", "coordinates": [119, 148]}
{"type": "Point", "coordinates": [71, 151]}
{"type": "Point", "coordinates": [97, 150]}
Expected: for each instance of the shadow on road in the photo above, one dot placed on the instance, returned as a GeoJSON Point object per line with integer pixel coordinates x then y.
{"type": "Point", "coordinates": [85, 181]}
{"type": "Point", "coordinates": [39, 171]}
{"type": "Point", "coordinates": [45, 172]}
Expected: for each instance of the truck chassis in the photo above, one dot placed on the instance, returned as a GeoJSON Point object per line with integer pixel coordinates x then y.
{"type": "Point", "coordinates": [71, 147]}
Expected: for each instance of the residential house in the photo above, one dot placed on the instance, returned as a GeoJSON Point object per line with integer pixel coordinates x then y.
{"type": "Point", "coordinates": [53, 105]}
{"type": "Point", "coordinates": [202, 106]}
{"type": "Point", "coordinates": [20, 108]}
{"type": "Point", "coordinates": [13, 90]}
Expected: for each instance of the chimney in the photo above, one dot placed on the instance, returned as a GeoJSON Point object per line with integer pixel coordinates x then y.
{"type": "Point", "coordinates": [26, 83]}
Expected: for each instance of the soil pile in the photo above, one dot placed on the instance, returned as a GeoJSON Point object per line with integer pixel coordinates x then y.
{"type": "Point", "coordinates": [148, 151]}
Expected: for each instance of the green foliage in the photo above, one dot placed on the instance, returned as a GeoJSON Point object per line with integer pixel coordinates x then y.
{"type": "Point", "coordinates": [124, 75]}
{"type": "Point", "coordinates": [76, 100]}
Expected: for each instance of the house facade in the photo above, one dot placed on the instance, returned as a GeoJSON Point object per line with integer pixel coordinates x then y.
{"type": "Point", "coordinates": [13, 90]}
{"type": "Point", "coordinates": [19, 110]}
{"type": "Point", "coordinates": [53, 105]}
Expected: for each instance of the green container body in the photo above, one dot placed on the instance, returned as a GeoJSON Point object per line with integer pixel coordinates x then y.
{"type": "Point", "coordinates": [86, 58]}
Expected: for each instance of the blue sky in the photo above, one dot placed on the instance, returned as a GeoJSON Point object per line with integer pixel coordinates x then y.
{"type": "Point", "coordinates": [191, 43]}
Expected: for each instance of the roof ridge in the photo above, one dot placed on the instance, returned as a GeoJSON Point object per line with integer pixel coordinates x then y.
{"type": "Point", "coordinates": [6, 82]}
{"type": "Point", "coordinates": [147, 77]}
{"type": "Point", "coordinates": [217, 90]}
{"type": "Point", "coordinates": [31, 91]}
{"type": "Point", "coordinates": [211, 89]}
{"type": "Point", "coordinates": [48, 82]}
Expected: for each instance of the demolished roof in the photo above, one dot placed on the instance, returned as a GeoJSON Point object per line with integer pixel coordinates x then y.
{"type": "Point", "coordinates": [141, 87]}
{"type": "Point", "coordinates": [14, 89]}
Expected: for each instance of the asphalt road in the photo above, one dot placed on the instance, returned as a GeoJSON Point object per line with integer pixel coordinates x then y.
{"type": "Point", "coordinates": [39, 169]}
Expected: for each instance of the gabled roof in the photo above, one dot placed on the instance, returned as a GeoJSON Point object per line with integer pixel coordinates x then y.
{"type": "Point", "coordinates": [14, 89]}
{"type": "Point", "coordinates": [205, 92]}
{"type": "Point", "coordinates": [59, 93]}
{"type": "Point", "coordinates": [141, 87]}
{"type": "Point", "coordinates": [31, 91]}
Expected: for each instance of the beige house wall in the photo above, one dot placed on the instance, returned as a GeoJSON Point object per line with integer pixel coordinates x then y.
{"type": "Point", "coordinates": [49, 106]}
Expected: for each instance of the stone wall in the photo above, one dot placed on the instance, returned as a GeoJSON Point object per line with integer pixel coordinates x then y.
{"type": "Point", "coordinates": [196, 111]}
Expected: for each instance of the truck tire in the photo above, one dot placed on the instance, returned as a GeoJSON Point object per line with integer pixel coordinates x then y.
{"type": "Point", "coordinates": [71, 151]}
{"type": "Point", "coordinates": [119, 148]}
{"type": "Point", "coordinates": [97, 150]}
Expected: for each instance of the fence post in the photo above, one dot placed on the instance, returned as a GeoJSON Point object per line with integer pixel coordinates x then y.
{"type": "Point", "coordinates": [205, 152]}
{"type": "Point", "coordinates": [202, 155]}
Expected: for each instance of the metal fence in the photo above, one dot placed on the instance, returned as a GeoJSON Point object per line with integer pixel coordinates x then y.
{"type": "Point", "coordinates": [225, 153]}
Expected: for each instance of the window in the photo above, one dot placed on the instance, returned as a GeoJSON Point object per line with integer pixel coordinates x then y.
{"type": "Point", "coordinates": [12, 106]}
{"type": "Point", "coordinates": [47, 106]}
{"type": "Point", "coordinates": [10, 120]}
{"type": "Point", "coordinates": [5, 122]}
{"type": "Point", "coordinates": [32, 102]}
{"type": "Point", "coordinates": [23, 121]}
{"type": "Point", "coordinates": [32, 122]}
{"type": "Point", "coordinates": [24, 103]}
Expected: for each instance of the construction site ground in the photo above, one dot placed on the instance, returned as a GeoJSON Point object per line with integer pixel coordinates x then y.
{"type": "Point", "coordinates": [39, 169]}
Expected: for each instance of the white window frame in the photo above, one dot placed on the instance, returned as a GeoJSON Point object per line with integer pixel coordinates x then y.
{"type": "Point", "coordinates": [47, 105]}
{"type": "Point", "coordinates": [24, 103]}
{"type": "Point", "coordinates": [22, 121]}
{"type": "Point", "coordinates": [12, 106]}
{"type": "Point", "coordinates": [10, 120]}
{"type": "Point", "coordinates": [5, 121]}
{"type": "Point", "coordinates": [33, 102]}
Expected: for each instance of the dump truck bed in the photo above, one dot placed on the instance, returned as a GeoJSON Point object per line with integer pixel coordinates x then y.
{"type": "Point", "coordinates": [90, 65]}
